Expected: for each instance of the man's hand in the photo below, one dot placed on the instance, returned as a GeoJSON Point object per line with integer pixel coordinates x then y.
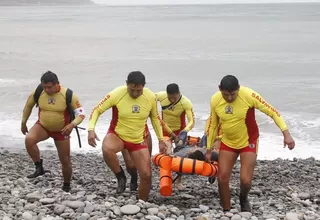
{"type": "Point", "coordinates": [24, 128]}
{"type": "Point", "coordinates": [288, 140]}
{"type": "Point", "coordinates": [92, 137]}
{"type": "Point", "coordinates": [174, 137]}
{"type": "Point", "coordinates": [67, 129]}
{"type": "Point", "coordinates": [208, 156]}
{"type": "Point", "coordinates": [162, 147]}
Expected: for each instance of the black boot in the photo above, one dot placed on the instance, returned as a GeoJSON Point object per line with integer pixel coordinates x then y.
{"type": "Point", "coordinates": [66, 187]}
{"type": "Point", "coordinates": [39, 170]}
{"type": "Point", "coordinates": [134, 179]}
{"type": "Point", "coordinates": [214, 157]}
{"type": "Point", "coordinates": [122, 181]}
{"type": "Point", "coordinates": [245, 204]}
{"type": "Point", "coordinates": [211, 179]}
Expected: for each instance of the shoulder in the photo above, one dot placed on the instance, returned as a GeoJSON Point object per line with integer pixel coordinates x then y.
{"type": "Point", "coordinates": [119, 91]}
{"type": "Point", "coordinates": [246, 92]}
{"type": "Point", "coordinates": [148, 93]}
{"type": "Point", "coordinates": [161, 95]}
{"type": "Point", "coordinates": [216, 97]}
{"type": "Point", "coordinates": [186, 101]}
{"type": "Point", "coordinates": [63, 90]}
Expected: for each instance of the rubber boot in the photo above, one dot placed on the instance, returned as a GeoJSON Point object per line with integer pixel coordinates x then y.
{"type": "Point", "coordinates": [66, 187]}
{"type": "Point", "coordinates": [244, 204]}
{"type": "Point", "coordinates": [122, 181]}
{"type": "Point", "coordinates": [39, 170]}
{"type": "Point", "coordinates": [134, 179]}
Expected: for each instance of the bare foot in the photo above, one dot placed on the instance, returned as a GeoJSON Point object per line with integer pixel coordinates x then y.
{"type": "Point", "coordinates": [179, 143]}
{"type": "Point", "coordinates": [180, 186]}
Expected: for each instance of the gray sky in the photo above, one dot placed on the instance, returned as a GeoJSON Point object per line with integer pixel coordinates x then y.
{"type": "Point", "coordinates": [155, 2]}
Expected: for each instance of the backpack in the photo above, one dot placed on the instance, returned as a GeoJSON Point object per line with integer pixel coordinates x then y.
{"type": "Point", "coordinates": [69, 94]}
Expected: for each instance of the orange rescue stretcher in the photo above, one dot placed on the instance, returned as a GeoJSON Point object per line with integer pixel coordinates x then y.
{"type": "Point", "coordinates": [169, 164]}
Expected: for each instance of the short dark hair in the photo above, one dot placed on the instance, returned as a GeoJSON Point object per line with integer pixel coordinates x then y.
{"type": "Point", "coordinates": [48, 77]}
{"type": "Point", "coordinates": [229, 83]}
{"type": "Point", "coordinates": [173, 88]}
{"type": "Point", "coordinates": [137, 78]}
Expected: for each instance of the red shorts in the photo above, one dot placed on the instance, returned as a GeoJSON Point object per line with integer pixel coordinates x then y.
{"type": "Point", "coordinates": [130, 146]}
{"type": "Point", "coordinates": [57, 136]}
{"type": "Point", "coordinates": [252, 147]}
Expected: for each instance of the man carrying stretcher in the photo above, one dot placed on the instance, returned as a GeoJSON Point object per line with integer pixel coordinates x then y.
{"type": "Point", "coordinates": [175, 108]}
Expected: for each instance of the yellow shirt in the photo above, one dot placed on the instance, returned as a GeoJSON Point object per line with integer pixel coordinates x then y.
{"type": "Point", "coordinates": [174, 116]}
{"type": "Point", "coordinates": [129, 115]}
{"type": "Point", "coordinates": [53, 112]}
{"type": "Point", "coordinates": [237, 119]}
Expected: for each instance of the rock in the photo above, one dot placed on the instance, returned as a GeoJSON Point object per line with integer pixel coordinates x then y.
{"type": "Point", "coordinates": [21, 182]}
{"type": "Point", "coordinates": [35, 196]}
{"type": "Point", "coordinates": [59, 209]}
{"type": "Point", "coordinates": [89, 207]}
{"type": "Point", "coordinates": [204, 208]}
{"type": "Point", "coordinates": [195, 210]}
{"type": "Point", "coordinates": [153, 211]}
{"type": "Point", "coordinates": [116, 210]}
{"type": "Point", "coordinates": [130, 209]}
{"type": "Point", "coordinates": [27, 215]}
{"type": "Point", "coordinates": [304, 196]}
{"type": "Point", "coordinates": [30, 207]}
{"type": "Point", "coordinates": [228, 214]}
{"type": "Point", "coordinates": [46, 201]}
{"type": "Point", "coordinates": [292, 216]}
{"type": "Point", "coordinates": [152, 217]}
{"type": "Point", "coordinates": [74, 204]}
{"type": "Point", "coordinates": [84, 216]}
{"type": "Point", "coordinates": [246, 215]}
{"type": "Point", "coordinates": [236, 217]}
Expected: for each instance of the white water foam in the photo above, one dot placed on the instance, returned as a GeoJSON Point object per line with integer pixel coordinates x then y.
{"type": "Point", "coordinates": [270, 143]}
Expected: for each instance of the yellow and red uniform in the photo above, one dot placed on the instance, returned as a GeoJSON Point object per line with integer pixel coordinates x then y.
{"type": "Point", "coordinates": [129, 116]}
{"type": "Point", "coordinates": [53, 114]}
{"type": "Point", "coordinates": [174, 115]}
{"type": "Point", "coordinates": [237, 119]}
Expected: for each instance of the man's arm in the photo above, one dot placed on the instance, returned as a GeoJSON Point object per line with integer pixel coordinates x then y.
{"type": "Point", "coordinates": [269, 110]}
{"type": "Point", "coordinates": [28, 109]}
{"type": "Point", "coordinates": [165, 127]}
{"type": "Point", "coordinates": [190, 117]}
{"type": "Point", "coordinates": [155, 120]}
{"type": "Point", "coordinates": [78, 111]}
{"type": "Point", "coordinates": [106, 103]}
{"type": "Point", "coordinates": [212, 123]}
{"type": "Point", "coordinates": [265, 107]}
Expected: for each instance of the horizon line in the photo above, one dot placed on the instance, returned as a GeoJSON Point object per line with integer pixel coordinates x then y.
{"type": "Point", "coordinates": [216, 3]}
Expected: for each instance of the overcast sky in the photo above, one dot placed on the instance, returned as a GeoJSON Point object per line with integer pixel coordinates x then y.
{"type": "Point", "coordinates": [155, 2]}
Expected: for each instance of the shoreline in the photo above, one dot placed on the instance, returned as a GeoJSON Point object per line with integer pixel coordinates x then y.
{"type": "Point", "coordinates": [281, 188]}
{"type": "Point", "coordinates": [98, 152]}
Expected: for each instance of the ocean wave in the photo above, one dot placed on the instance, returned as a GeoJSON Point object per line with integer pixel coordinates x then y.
{"type": "Point", "coordinates": [304, 129]}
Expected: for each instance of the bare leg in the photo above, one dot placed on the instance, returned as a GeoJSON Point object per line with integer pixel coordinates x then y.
{"type": "Point", "coordinates": [227, 160]}
{"type": "Point", "coordinates": [36, 134]}
{"type": "Point", "coordinates": [248, 162]}
{"type": "Point", "coordinates": [111, 145]}
{"type": "Point", "coordinates": [63, 148]}
{"type": "Point", "coordinates": [142, 162]}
